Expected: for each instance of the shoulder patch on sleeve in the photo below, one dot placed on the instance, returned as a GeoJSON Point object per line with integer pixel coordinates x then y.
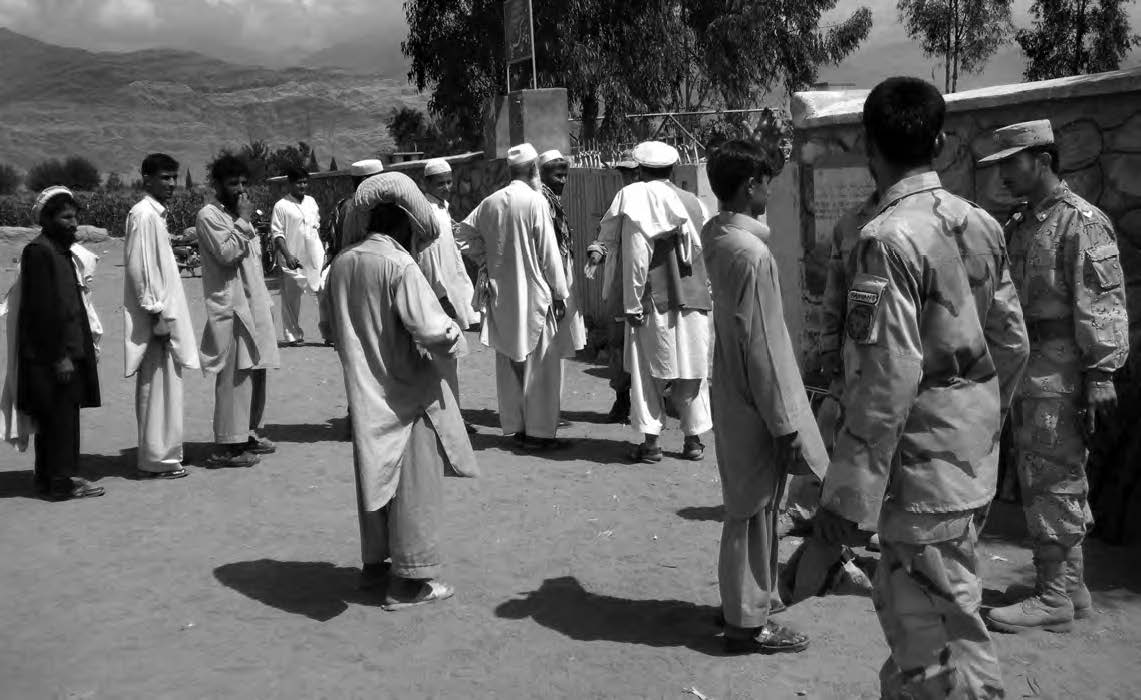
{"type": "Point", "coordinates": [864, 297]}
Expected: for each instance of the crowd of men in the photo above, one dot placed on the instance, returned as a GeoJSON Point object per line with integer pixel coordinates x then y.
{"type": "Point", "coordinates": [939, 324]}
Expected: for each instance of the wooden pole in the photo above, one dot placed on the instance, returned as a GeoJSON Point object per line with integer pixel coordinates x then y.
{"type": "Point", "coordinates": [531, 26]}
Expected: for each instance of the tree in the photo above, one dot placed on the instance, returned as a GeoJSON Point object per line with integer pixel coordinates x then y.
{"type": "Point", "coordinates": [10, 179]}
{"type": "Point", "coordinates": [1073, 37]}
{"type": "Point", "coordinates": [410, 128]}
{"type": "Point", "coordinates": [694, 54]}
{"type": "Point", "coordinates": [333, 164]}
{"type": "Point", "coordinates": [76, 172]}
{"type": "Point", "coordinates": [299, 156]}
{"type": "Point", "coordinates": [964, 33]}
{"type": "Point", "coordinates": [257, 156]}
{"type": "Point", "coordinates": [189, 181]}
{"type": "Point", "coordinates": [114, 183]}
{"type": "Point", "coordinates": [312, 166]}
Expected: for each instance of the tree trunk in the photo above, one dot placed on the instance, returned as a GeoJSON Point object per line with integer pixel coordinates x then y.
{"type": "Point", "coordinates": [589, 117]}
{"type": "Point", "coordinates": [947, 55]}
{"type": "Point", "coordinates": [956, 24]}
{"type": "Point", "coordinates": [1077, 66]}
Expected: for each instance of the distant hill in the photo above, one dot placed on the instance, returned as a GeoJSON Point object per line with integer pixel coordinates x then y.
{"type": "Point", "coordinates": [116, 107]}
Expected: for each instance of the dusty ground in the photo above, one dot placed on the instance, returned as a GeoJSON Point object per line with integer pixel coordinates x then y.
{"type": "Point", "coordinates": [578, 575]}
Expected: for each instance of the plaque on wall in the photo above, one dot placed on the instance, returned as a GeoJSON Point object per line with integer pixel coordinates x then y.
{"type": "Point", "coordinates": [836, 191]}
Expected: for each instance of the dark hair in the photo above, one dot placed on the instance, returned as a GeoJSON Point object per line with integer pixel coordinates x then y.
{"type": "Point", "coordinates": [732, 164]}
{"type": "Point", "coordinates": [1050, 149]}
{"type": "Point", "coordinates": [658, 173]}
{"type": "Point", "coordinates": [295, 174]}
{"type": "Point", "coordinates": [157, 163]}
{"type": "Point", "coordinates": [56, 204]}
{"type": "Point", "coordinates": [903, 117]}
{"type": "Point", "coordinates": [228, 166]}
{"type": "Point", "coordinates": [386, 218]}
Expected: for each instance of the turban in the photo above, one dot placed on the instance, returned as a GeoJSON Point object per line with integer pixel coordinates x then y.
{"type": "Point", "coordinates": [47, 195]}
{"type": "Point", "coordinates": [390, 188]}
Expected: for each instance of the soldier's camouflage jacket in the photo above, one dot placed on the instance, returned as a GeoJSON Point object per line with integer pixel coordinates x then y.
{"type": "Point", "coordinates": [834, 302]}
{"type": "Point", "coordinates": [935, 347]}
{"type": "Point", "coordinates": [1064, 261]}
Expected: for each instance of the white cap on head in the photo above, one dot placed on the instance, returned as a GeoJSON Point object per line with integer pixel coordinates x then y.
{"type": "Point", "coordinates": [43, 197]}
{"type": "Point", "coordinates": [655, 154]}
{"type": "Point", "coordinates": [550, 157]}
{"type": "Point", "coordinates": [366, 168]}
{"type": "Point", "coordinates": [436, 166]}
{"type": "Point", "coordinates": [522, 154]}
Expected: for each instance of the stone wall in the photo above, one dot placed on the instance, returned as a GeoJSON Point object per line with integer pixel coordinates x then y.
{"type": "Point", "coordinates": [1097, 124]}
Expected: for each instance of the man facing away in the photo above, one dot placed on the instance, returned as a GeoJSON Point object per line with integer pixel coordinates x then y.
{"type": "Point", "coordinates": [158, 338]}
{"type": "Point", "coordinates": [666, 298]}
{"type": "Point", "coordinates": [358, 172]}
{"type": "Point", "coordinates": [935, 346]}
{"type": "Point", "coordinates": [523, 292]}
{"type": "Point", "coordinates": [239, 342]}
{"type": "Point", "coordinates": [1064, 255]}
{"type": "Point", "coordinates": [763, 422]}
{"type": "Point", "coordinates": [295, 227]}
{"type": "Point", "coordinates": [387, 325]}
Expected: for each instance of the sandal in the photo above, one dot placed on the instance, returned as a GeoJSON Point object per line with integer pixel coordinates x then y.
{"type": "Point", "coordinates": [694, 450]}
{"type": "Point", "coordinates": [231, 459]}
{"type": "Point", "coordinates": [770, 639]}
{"type": "Point", "coordinates": [432, 591]}
{"type": "Point", "coordinates": [646, 455]}
{"type": "Point", "coordinates": [259, 446]}
{"type": "Point", "coordinates": [172, 474]}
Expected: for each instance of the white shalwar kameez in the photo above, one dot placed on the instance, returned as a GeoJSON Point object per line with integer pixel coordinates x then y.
{"type": "Point", "coordinates": [299, 224]}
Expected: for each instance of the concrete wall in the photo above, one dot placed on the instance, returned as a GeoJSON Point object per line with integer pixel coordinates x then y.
{"type": "Point", "coordinates": [1097, 124]}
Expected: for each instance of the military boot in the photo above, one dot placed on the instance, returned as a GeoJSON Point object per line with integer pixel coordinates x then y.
{"type": "Point", "coordinates": [1075, 586]}
{"type": "Point", "coordinates": [1049, 608]}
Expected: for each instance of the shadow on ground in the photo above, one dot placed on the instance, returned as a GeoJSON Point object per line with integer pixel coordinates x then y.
{"type": "Point", "coordinates": [332, 430]}
{"type": "Point", "coordinates": [703, 514]}
{"type": "Point", "coordinates": [318, 590]}
{"type": "Point", "coordinates": [563, 605]}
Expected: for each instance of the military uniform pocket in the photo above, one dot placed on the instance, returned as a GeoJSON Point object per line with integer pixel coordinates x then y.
{"type": "Point", "coordinates": [1104, 268]}
{"type": "Point", "coordinates": [864, 297]}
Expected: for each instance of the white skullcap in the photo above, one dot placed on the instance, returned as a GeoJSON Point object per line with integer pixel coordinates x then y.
{"type": "Point", "coordinates": [550, 157]}
{"type": "Point", "coordinates": [366, 168]}
{"type": "Point", "coordinates": [655, 154]}
{"type": "Point", "coordinates": [46, 195]}
{"type": "Point", "coordinates": [436, 166]}
{"type": "Point", "coordinates": [521, 154]}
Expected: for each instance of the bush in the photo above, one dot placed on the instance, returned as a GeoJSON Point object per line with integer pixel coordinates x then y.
{"type": "Point", "coordinates": [9, 179]}
{"type": "Point", "coordinates": [76, 172]}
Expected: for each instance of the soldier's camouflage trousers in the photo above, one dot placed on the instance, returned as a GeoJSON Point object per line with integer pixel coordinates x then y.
{"type": "Point", "coordinates": [927, 597]}
{"type": "Point", "coordinates": [1051, 454]}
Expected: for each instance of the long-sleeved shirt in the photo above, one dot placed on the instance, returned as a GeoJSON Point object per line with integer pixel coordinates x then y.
{"type": "Point", "coordinates": [238, 309]}
{"type": "Point", "coordinates": [935, 344]}
{"type": "Point", "coordinates": [1065, 264]}
{"type": "Point", "coordinates": [299, 223]}
{"type": "Point", "coordinates": [510, 235]}
{"type": "Point", "coordinates": [387, 324]}
{"type": "Point", "coordinates": [845, 235]}
{"type": "Point", "coordinates": [758, 394]}
{"type": "Point", "coordinates": [441, 263]}
{"type": "Point", "coordinates": [152, 287]}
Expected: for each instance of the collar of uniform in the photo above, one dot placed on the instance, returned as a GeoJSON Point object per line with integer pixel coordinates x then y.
{"type": "Point", "coordinates": [156, 205]}
{"type": "Point", "coordinates": [908, 186]}
{"type": "Point", "coordinates": [743, 222]}
{"type": "Point", "coordinates": [1043, 209]}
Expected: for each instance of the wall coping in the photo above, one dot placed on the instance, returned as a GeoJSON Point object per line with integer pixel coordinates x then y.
{"type": "Point", "coordinates": [394, 167]}
{"type": "Point", "coordinates": [815, 109]}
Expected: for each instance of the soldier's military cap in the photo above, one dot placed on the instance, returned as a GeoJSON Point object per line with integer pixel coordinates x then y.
{"type": "Point", "coordinates": [1018, 137]}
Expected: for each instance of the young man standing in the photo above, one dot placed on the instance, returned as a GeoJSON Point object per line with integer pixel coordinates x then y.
{"type": "Point", "coordinates": [1063, 251]}
{"type": "Point", "coordinates": [295, 227]}
{"type": "Point", "coordinates": [935, 344]}
{"type": "Point", "coordinates": [553, 172]}
{"type": "Point", "coordinates": [239, 342]}
{"type": "Point", "coordinates": [158, 341]}
{"type": "Point", "coordinates": [763, 424]}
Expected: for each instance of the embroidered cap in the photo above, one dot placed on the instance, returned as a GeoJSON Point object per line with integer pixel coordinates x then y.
{"type": "Point", "coordinates": [366, 168]}
{"type": "Point", "coordinates": [1018, 137]}
{"type": "Point", "coordinates": [655, 154]}
{"type": "Point", "coordinates": [436, 166]}
{"type": "Point", "coordinates": [522, 154]}
{"type": "Point", "coordinates": [45, 196]}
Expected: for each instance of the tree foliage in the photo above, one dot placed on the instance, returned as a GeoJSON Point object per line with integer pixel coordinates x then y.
{"type": "Point", "coordinates": [617, 58]}
{"type": "Point", "coordinates": [76, 172]}
{"type": "Point", "coordinates": [10, 179]}
{"type": "Point", "coordinates": [964, 33]}
{"type": "Point", "coordinates": [1073, 37]}
{"type": "Point", "coordinates": [114, 183]}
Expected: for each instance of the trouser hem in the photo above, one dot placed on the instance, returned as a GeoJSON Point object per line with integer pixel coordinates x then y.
{"type": "Point", "coordinates": [425, 571]}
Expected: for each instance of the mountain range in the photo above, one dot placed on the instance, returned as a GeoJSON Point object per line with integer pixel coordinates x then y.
{"type": "Point", "coordinates": [115, 107]}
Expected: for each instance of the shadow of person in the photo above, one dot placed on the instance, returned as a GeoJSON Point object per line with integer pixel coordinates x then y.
{"type": "Point", "coordinates": [318, 590]}
{"type": "Point", "coordinates": [563, 605]}
{"type": "Point", "coordinates": [17, 484]}
{"type": "Point", "coordinates": [704, 514]}
{"type": "Point", "coordinates": [332, 430]}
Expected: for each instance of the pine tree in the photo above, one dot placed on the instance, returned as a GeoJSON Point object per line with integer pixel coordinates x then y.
{"type": "Point", "coordinates": [189, 181]}
{"type": "Point", "coordinates": [333, 164]}
{"type": "Point", "coordinates": [313, 167]}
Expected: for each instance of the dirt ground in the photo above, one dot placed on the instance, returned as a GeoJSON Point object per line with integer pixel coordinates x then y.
{"type": "Point", "coordinates": [577, 574]}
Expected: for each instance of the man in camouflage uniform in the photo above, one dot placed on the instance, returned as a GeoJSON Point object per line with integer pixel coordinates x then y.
{"type": "Point", "coordinates": [1063, 253]}
{"type": "Point", "coordinates": [934, 349]}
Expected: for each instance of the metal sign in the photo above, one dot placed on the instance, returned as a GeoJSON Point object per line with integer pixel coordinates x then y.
{"type": "Point", "coordinates": [519, 36]}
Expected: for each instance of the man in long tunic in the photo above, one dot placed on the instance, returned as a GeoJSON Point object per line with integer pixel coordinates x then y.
{"type": "Point", "coordinates": [523, 293]}
{"type": "Point", "coordinates": [554, 169]}
{"type": "Point", "coordinates": [935, 346]}
{"type": "Point", "coordinates": [667, 302]}
{"type": "Point", "coordinates": [763, 424]}
{"type": "Point", "coordinates": [1063, 251]}
{"type": "Point", "coordinates": [295, 228]}
{"type": "Point", "coordinates": [239, 342]}
{"type": "Point", "coordinates": [388, 324]}
{"type": "Point", "coordinates": [158, 338]}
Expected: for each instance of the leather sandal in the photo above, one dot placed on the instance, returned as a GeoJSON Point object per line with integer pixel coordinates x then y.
{"type": "Point", "coordinates": [646, 455]}
{"type": "Point", "coordinates": [172, 474]}
{"type": "Point", "coordinates": [770, 639]}
{"type": "Point", "coordinates": [431, 591]}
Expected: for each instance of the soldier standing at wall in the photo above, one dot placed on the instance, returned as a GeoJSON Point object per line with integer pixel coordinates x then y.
{"type": "Point", "coordinates": [1064, 258]}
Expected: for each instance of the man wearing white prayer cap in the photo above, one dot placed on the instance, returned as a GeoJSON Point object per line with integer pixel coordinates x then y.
{"type": "Point", "coordinates": [666, 299]}
{"type": "Point", "coordinates": [553, 172]}
{"type": "Point", "coordinates": [523, 293]}
{"type": "Point", "coordinates": [442, 265]}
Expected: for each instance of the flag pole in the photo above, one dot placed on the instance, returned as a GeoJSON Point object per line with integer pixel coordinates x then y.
{"type": "Point", "coordinates": [531, 22]}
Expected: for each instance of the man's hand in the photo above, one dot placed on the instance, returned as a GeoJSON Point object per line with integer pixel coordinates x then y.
{"type": "Point", "coordinates": [1100, 399]}
{"type": "Point", "coordinates": [160, 329]}
{"type": "Point", "coordinates": [64, 370]}
{"type": "Point", "coordinates": [594, 258]}
{"type": "Point", "coordinates": [833, 528]}
{"type": "Point", "coordinates": [245, 208]}
{"type": "Point", "coordinates": [560, 308]}
{"type": "Point", "coordinates": [788, 450]}
{"type": "Point", "coordinates": [293, 262]}
{"type": "Point", "coordinates": [636, 320]}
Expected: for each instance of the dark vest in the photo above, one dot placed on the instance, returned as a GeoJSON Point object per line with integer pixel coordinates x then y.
{"type": "Point", "coordinates": [672, 285]}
